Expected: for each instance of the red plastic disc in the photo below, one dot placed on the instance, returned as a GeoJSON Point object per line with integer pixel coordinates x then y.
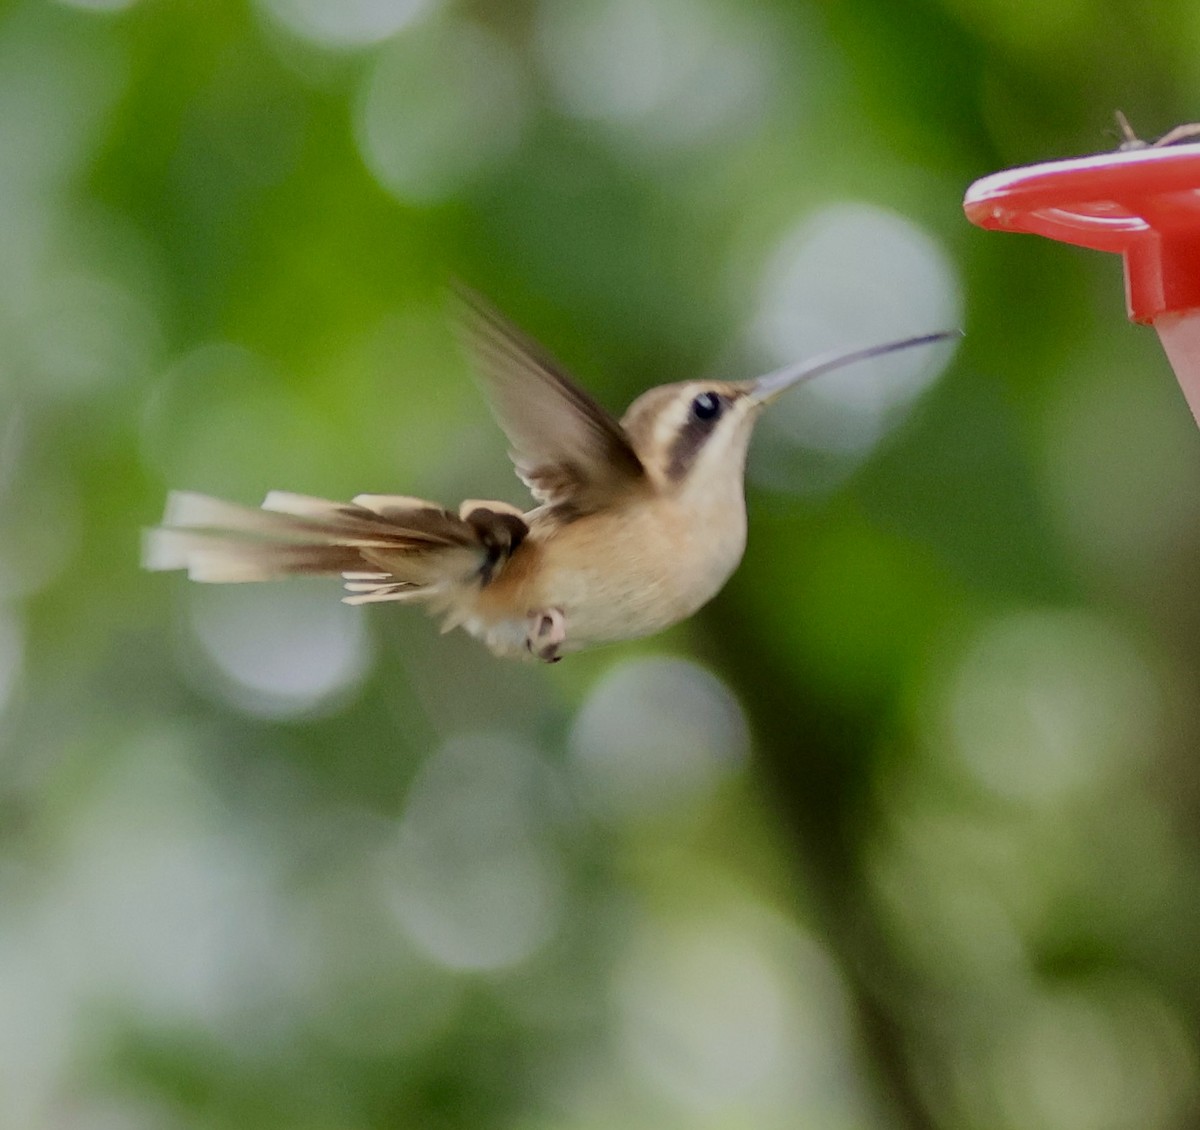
{"type": "Point", "coordinates": [1144, 204]}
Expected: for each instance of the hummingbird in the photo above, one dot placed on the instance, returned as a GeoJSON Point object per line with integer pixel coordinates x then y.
{"type": "Point", "coordinates": [638, 522]}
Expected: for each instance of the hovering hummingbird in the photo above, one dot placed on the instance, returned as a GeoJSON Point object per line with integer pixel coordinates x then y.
{"type": "Point", "coordinates": [638, 524]}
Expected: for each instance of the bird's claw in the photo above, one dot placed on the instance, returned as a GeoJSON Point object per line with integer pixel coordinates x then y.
{"type": "Point", "coordinates": [547, 634]}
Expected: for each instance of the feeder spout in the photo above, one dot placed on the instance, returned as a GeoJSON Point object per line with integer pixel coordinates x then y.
{"type": "Point", "coordinates": [1180, 336]}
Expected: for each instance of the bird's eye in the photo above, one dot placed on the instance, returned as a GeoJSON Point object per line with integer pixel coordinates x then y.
{"type": "Point", "coordinates": [707, 406]}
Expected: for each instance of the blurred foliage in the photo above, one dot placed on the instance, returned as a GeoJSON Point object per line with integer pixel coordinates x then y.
{"type": "Point", "coordinates": [901, 831]}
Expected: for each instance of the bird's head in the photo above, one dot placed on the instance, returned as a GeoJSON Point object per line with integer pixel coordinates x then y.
{"type": "Point", "coordinates": [696, 433]}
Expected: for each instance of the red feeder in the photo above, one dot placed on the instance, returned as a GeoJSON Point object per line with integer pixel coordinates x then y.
{"type": "Point", "coordinates": [1144, 204]}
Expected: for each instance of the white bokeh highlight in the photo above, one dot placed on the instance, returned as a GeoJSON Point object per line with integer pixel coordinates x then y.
{"type": "Point", "coordinates": [279, 651]}
{"type": "Point", "coordinates": [73, 314]}
{"type": "Point", "coordinates": [850, 275]}
{"type": "Point", "coordinates": [56, 92]}
{"type": "Point", "coordinates": [146, 904]}
{"type": "Point", "coordinates": [671, 74]}
{"type": "Point", "coordinates": [655, 734]}
{"type": "Point", "coordinates": [1046, 703]}
{"type": "Point", "coordinates": [87, 330]}
{"type": "Point", "coordinates": [345, 24]}
{"type": "Point", "coordinates": [734, 1016]}
{"type": "Point", "coordinates": [157, 905]}
{"type": "Point", "coordinates": [439, 106]}
{"type": "Point", "coordinates": [1110, 1053]}
{"type": "Point", "coordinates": [99, 5]}
{"type": "Point", "coordinates": [473, 879]}
{"type": "Point", "coordinates": [12, 651]}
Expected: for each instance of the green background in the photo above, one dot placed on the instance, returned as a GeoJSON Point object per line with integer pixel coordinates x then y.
{"type": "Point", "coordinates": [900, 831]}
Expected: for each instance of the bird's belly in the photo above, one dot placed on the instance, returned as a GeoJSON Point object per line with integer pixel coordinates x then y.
{"type": "Point", "coordinates": [635, 593]}
{"type": "Point", "coordinates": [622, 603]}
{"type": "Point", "coordinates": [613, 579]}
{"type": "Point", "coordinates": [600, 606]}
{"type": "Point", "coordinates": [502, 636]}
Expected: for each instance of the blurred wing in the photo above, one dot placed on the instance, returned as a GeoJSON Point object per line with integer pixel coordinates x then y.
{"type": "Point", "coordinates": [566, 448]}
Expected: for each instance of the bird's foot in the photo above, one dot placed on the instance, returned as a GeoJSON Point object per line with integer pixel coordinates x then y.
{"type": "Point", "coordinates": [547, 634]}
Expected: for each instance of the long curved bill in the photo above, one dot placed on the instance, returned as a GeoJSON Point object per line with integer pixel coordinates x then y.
{"type": "Point", "coordinates": [773, 385]}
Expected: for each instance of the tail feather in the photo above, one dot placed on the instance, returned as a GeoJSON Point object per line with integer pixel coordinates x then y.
{"type": "Point", "coordinates": [188, 510]}
{"type": "Point", "coordinates": [388, 504]}
{"type": "Point", "coordinates": [221, 559]}
{"type": "Point", "coordinates": [377, 594]}
{"type": "Point", "coordinates": [302, 505]}
{"type": "Point", "coordinates": [301, 518]}
{"type": "Point", "coordinates": [366, 508]}
{"type": "Point", "coordinates": [385, 547]}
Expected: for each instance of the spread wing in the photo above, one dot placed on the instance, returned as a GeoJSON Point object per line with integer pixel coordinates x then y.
{"type": "Point", "coordinates": [567, 449]}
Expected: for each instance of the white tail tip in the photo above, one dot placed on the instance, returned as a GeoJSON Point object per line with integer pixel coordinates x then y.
{"type": "Point", "coordinates": [163, 550]}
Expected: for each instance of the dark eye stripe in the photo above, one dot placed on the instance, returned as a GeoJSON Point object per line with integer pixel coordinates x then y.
{"type": "Point", "coordinates": [691, 436]}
